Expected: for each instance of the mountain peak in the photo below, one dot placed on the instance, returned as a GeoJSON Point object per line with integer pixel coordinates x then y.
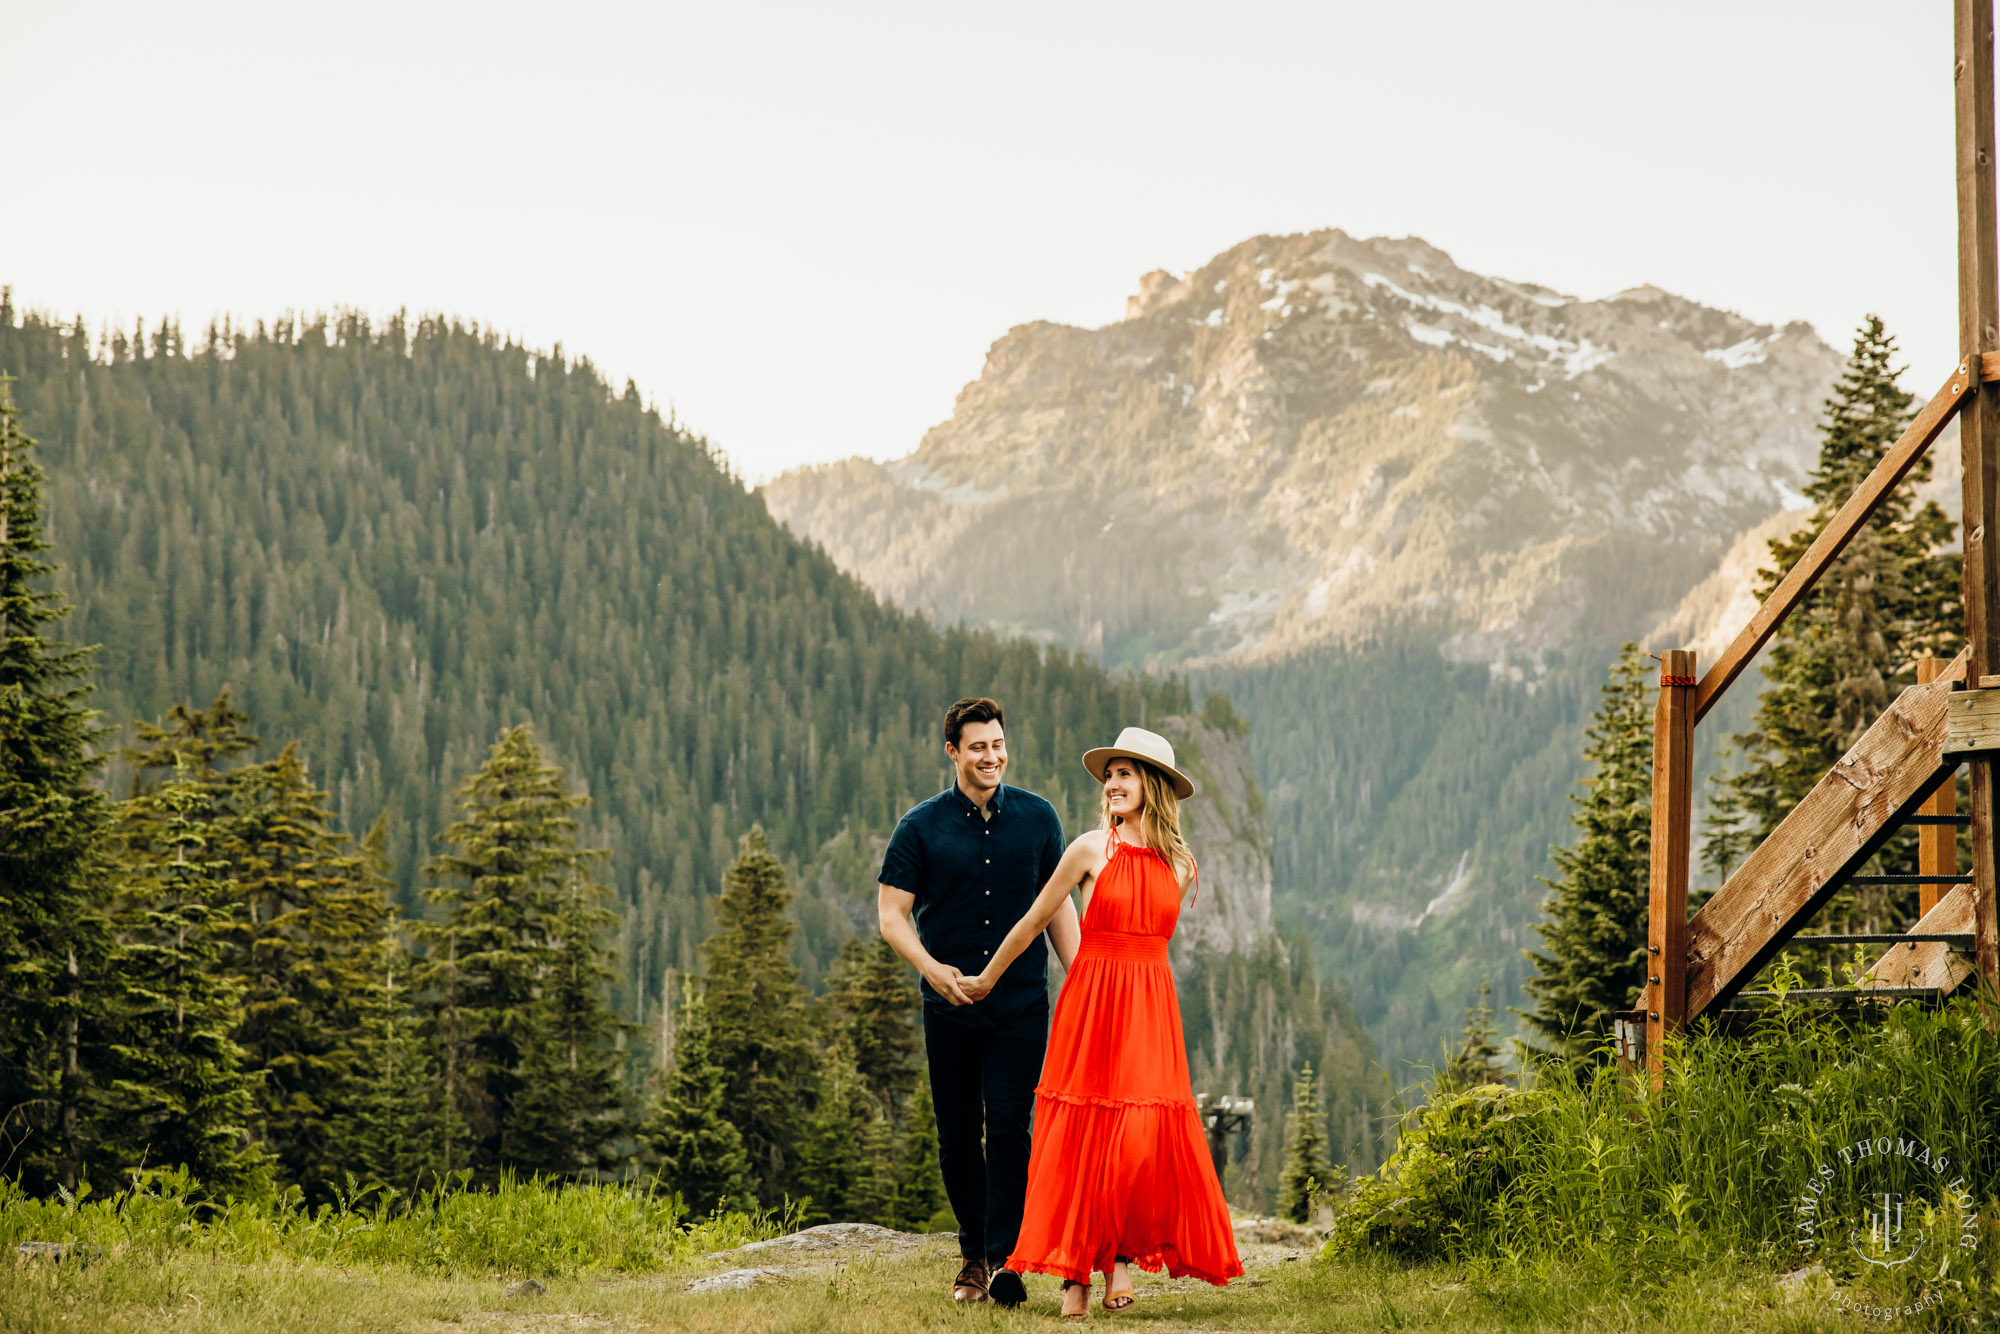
{"type": "Point", "coordinates": [1333, 435]}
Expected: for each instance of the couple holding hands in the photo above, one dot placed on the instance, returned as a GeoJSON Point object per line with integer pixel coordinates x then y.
{"type": "Point", "coordinates": [974, 888]}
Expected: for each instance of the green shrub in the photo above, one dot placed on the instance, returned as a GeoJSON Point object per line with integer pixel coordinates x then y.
{"type": "Point", "coordinates": [1589, 1165]}
{"type": "Point", "coordinates": [1457, 1155]}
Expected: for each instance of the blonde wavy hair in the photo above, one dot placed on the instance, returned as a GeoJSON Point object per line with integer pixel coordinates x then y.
{"type": "Point", "coordinates": [1159, 817]}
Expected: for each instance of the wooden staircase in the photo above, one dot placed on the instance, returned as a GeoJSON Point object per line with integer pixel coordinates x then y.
{"type": "Point", "coordinates": [1821, 845]}
{"type": "Point", "coordinates": [1902, 769]}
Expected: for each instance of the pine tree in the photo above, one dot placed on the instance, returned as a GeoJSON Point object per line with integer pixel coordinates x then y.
{"type": "Point", "coordinates": [55, 938]}
{"type": "Point", "coordinates": [1889, 601]}
{"type": "Point", "coordinates": [758, 1009]}
{"type": "Point", "coordinates": [872, 1192]}
{"type": "Point", "coordinates": [393, 1128]}
{"type": "Point", "coordinates": [828, 1163]}
{"type": "Point", "coordinates": [1477, 1060]}
{"type": "Point", "coordinates": [1594, 921]}
{"type": "Point", "coordinates": [195, 747]}
{"type": "Point", "coordinates": [701, 1153]}
{"type": "Point", "coordinates": [305, 943]}
{"type": "Point", "coordinates": [570, 1105]}
{"type": "Point", "coordinates": [180, 1094]}
{"type": "Point", "coordinates": [502, 889]}
{"type": "Point", "coordinates": [875, 1004]}
{"type": "Point", "coordinates": [1306, 1173]}
{"type": "Point", "coordinates": [394, 1121]}
{"type": "Point", "coordinates": [919, 1182]}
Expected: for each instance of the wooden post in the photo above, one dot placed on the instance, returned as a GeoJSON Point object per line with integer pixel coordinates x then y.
{"type": "Point", "coordinates": [1979, 421]}
{"type": "Point", "coordinates": [1937, 845]}
{"type": "Point", "coordinates": [1667, 886]}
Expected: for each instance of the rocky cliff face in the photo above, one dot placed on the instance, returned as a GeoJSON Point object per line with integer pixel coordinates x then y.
{"type": "Point", "coordinates": [1312, 437]}
{"type": "Point", "coordinates": [1224, 823]}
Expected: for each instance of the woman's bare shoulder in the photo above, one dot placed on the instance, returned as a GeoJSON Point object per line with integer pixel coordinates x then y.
{"type": "Point", "coordinates": [1090, 840]}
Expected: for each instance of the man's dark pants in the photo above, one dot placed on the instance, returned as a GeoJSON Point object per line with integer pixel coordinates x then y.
{"type": "Point", "coordinates": [983, 1081]}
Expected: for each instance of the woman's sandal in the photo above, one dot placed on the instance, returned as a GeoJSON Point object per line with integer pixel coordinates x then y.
{"type": "Point", "coordinates": [1069, 1283]}
{"type": "Point", "coordinates": [1117, 1299]}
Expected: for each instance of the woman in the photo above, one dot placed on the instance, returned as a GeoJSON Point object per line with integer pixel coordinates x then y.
{"type": "Point", "coordinates": [1120, 1170]}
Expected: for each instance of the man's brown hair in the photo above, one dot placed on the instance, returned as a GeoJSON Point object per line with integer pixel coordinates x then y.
{"type": "Point", "coordinates": [976, 710]}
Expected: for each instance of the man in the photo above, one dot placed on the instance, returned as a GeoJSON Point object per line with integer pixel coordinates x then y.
{"type": "Point", "coordinates": [960, 870]}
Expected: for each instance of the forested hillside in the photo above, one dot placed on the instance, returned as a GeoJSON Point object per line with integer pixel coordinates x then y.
{"type": "Point", "coordinates": [1418, 803]}
{"type": "Point", "coordinates": [393, 543]}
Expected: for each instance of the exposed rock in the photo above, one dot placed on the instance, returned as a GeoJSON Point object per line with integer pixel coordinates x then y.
{"type": "Point", "coordinates": [830, 1237]}
{"type": "Point", "coordinates": [1275, 1232]}
{"type": "Point", "coordinates": [1715, 609]}
{"type": "Point", "coordinates": [732, 1279]}
{"type": "Point", "coordinates": [1325, 436]}
{"type": "Point", "coordinates": [527, 1287]}
{"type": "Point", "coordinates": [1224, 823]}
{"type": "Point", "coordinates": [58, 1252]}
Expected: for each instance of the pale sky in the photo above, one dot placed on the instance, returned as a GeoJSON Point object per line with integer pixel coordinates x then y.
{"type": "Point", "coordinates": [802, 225]}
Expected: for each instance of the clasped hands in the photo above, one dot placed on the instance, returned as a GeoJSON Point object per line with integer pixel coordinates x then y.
{"type": "Point", "coordinates": [955, 986]}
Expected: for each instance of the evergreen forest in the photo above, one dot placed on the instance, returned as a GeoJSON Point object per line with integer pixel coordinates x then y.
{"type": "Point", "coordinates": [440, 765]}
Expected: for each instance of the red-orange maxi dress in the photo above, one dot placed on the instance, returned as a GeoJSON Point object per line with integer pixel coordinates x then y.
{"type": "Point", "coordinates": [1120, 1167]}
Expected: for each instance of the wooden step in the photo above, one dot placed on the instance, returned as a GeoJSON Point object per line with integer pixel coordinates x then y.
{"type": "Point", "coordinates": [1934, 962]}
{"type": "Point", "coordinates": [1958, 941]}
{"type": "Point", "coordinates": [1846, 819]}
{"type": "Point", "coordinates": [1856, 994]}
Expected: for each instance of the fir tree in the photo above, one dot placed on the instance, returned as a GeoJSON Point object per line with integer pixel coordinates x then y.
{"type": "Point", "coordinates": [1890, 600]}
{"type": "Point", "coordinates": [872, 1194]}
{"type": "Point", "coordinates": [919, 1182]}
{"type": "Point", "coordinates": [828, 1161]}
{"type": "Point", "coordinates": [180, 1093]}
{"type": "Point", "coordinates": [569, 1108]}
{"type": "Point", "coordinates": [393, 1130]}
{"type": "Point", "coordinates": [1477, 1060]}
{"type": "Point", "coordinates": [195, 747]}
{"type": "Point", "coordinates": [1306, 1173]}
{"type": "Point", "coordinates": [54, 934]}
{"type": "Point", "coordinates": [1594, 921]}
{"type": "Point", "coordinates": [875, 1004]}
{"type": "Point", "coordinates": [701, 1153]}
{"type": "Point", "coordinates": [758, 1009]}
{"type": "Point", "coordinates": [305, 943]}
{"type": "Point", "coordinates": [502, 891]}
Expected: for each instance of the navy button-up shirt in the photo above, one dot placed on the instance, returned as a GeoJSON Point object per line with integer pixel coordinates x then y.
{"type": "Point", "coordinates": [973, 878]}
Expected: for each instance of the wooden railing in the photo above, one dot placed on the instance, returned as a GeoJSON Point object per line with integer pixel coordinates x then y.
{"type": "Point", "coordinates": [1904, 761]}
{"type": "Point", "coordinates": [1684, 700]}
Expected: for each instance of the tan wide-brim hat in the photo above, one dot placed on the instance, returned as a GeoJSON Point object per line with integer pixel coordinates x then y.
{"type": "Point", "coordinates": [1139, 744]}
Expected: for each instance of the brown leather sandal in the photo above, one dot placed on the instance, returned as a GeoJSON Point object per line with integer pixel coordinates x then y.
{"type": "Point", "coordinates": [1084, 1314]}
{"type": "Point", "coordinates": [970, 1285]}
{"type": "Point", "coordinates": [1119, 1298]}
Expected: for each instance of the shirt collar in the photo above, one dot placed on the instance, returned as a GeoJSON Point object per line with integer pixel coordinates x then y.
{"type": "Point", "coordinates": [965, 803]}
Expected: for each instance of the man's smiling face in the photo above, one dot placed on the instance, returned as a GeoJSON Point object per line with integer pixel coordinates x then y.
{"type": "Point", "coordinates": [980, 757]}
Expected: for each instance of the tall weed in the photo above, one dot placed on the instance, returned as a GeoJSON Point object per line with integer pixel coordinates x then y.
{"type": "Point", "coordinates": [1589, 1165]}
{"type": "Point", "coordinates": [536, 1226]}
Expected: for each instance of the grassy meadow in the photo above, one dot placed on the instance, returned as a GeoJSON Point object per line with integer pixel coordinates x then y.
{"type": "Point", "coordinates": [1583, 1201]}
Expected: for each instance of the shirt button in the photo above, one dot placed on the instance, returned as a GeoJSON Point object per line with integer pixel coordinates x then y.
{"type": "Point", "coordinates": [989, 921]}
{"type": "Point", "coordinates": [989, 861]}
